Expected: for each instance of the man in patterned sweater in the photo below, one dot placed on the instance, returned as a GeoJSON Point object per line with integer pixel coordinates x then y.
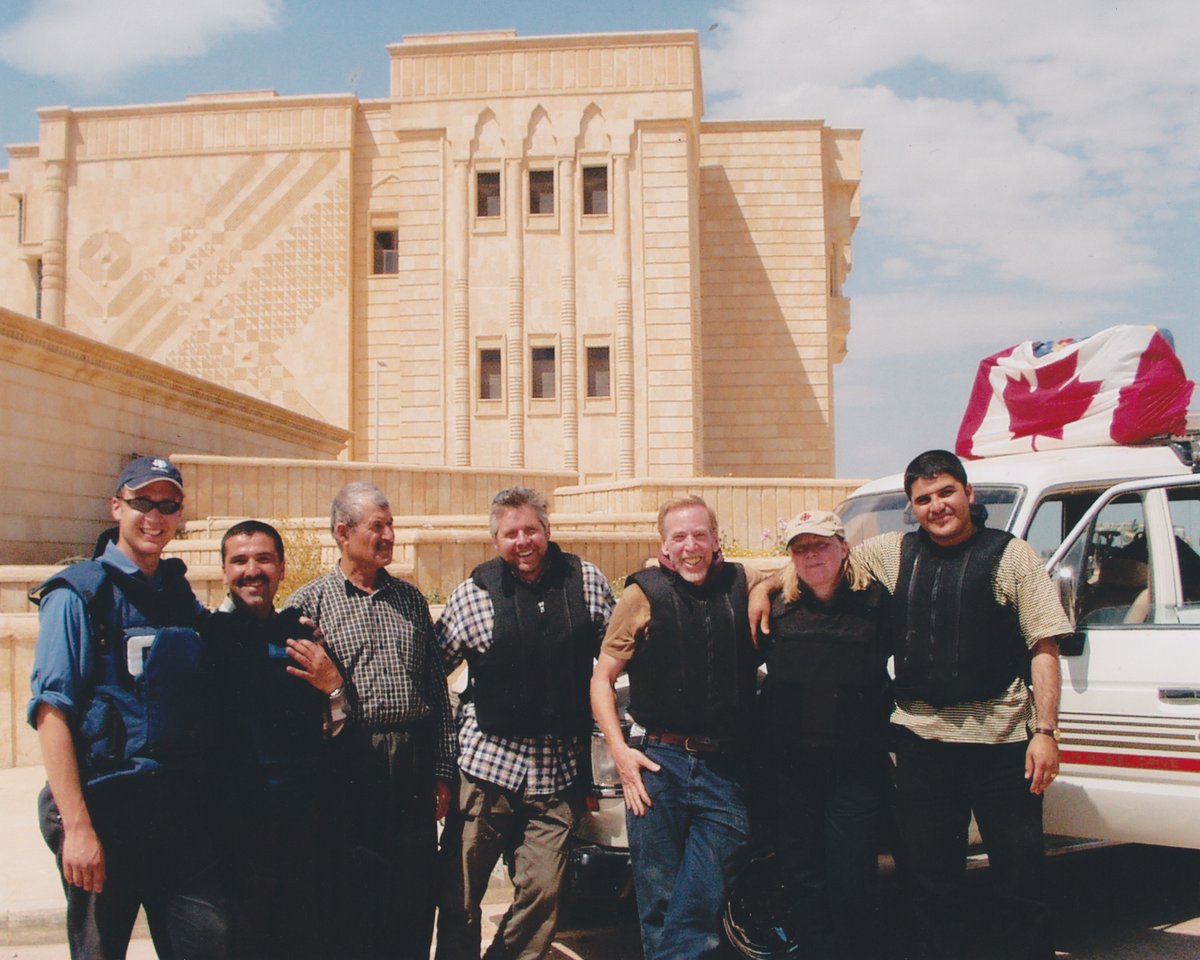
{"type": "Point", "coordinates": [976, 622]}
{"type": "Point", "coordinates": [389, 771]}
{"type": "Point", "coordinates": [528, 623]}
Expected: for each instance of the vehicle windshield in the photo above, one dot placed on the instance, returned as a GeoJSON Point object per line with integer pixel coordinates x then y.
{"type": "Point", "coordinates": [877, 513]}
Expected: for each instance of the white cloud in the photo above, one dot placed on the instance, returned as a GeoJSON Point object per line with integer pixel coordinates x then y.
{"type": "Point", "coordinates": [897, 268]}
{"type": "Point", "coordinates": [94, 43]}
{"type": "Point", "coordinates": [1091, 133]}
{"type": "Point", "coordinates": [971, 326]}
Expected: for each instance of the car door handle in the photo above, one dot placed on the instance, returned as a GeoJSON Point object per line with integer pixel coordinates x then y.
{"type": "Point", "coordinates": [1179, 695]}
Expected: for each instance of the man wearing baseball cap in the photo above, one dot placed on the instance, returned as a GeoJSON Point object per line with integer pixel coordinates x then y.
{"type": "Point", "coordinates": [123, 703]}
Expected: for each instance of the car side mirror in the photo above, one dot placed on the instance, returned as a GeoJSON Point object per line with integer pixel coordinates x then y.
{"type": "Point", "coordinates": [1071, 645]}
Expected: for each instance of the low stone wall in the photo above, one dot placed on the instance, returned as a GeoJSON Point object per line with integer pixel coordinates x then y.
{"type": "Point", "coordinates": [74, 411]}
{"type": "Point", "coordinates": [751, 511]}
{"type": "Point", "coordinates": [18, 742]}
{"type": "Point", "coordinates": [265, 488]}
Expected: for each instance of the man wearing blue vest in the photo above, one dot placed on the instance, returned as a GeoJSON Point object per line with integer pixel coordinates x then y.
{"type": "Point", "coordinates": [123, 702]}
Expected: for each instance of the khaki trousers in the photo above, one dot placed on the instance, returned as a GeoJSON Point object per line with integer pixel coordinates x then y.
{"type": "Point", "coordinates": [532, 832]}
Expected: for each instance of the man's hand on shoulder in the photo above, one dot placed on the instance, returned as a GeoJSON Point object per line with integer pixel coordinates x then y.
{"type": "Point", "coordinates": [311, 663]}
{"type": "Point", "coordinates": [759, 606]}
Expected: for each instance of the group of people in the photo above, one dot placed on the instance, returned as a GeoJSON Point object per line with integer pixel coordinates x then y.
{"type": "Point", "coordinates": [268, 783]}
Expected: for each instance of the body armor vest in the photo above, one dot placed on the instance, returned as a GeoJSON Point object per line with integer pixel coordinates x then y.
{"type": "Point", "coordinates": [827, 682]}
{"type": "Point", "coordinates": [954, 641]}
{"type": "Point", "coordinates": [533, 679]}
{"type": "Point", "coordinates": [152, 698]}
{"type": "Point", "coordinates": [274, 721]}
{"type": "Point", "coordinates": [694, 671]}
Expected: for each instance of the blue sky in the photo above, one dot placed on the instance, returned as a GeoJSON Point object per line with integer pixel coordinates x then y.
{"type": "Point", "coordinates": [1030, 170]}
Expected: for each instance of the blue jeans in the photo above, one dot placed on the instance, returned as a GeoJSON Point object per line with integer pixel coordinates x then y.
{"type": "Point", "coordinates": [686, 850]}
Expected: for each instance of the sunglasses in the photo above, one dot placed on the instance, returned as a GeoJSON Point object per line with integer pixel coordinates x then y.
{"type": "Point", "coordinates": [145, 505]}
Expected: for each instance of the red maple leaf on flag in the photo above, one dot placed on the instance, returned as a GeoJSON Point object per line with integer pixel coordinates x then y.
{"type": "Point", "coordinates": [1043, 409]}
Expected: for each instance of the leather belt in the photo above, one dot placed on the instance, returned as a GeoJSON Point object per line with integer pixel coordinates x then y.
{"type": "Point", "coordinates": [693, 744]}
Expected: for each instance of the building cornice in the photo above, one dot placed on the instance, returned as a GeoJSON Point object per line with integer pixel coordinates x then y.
{"type": "Point", "coordinates": [499, 63]}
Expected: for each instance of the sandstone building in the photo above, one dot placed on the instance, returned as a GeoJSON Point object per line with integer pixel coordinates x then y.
{"type": "Point", "coordinates": [534, 254]}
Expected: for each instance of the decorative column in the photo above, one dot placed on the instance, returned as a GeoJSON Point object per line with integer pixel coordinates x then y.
{"type": "Point", "coordinates": [515, 339]}
{"type": "Point", "coordinates": [52, 148]}
{"type": "Point", "coordinates": [566, 315]}
{"type": "Point", "coordinates": [460, 241]}
{"type": "Point", "coordinates": [626, 452]}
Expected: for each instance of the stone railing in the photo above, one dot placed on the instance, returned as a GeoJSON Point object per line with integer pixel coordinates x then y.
{"type": "Point", "coordinates": [237, 487]}
{"type": "Point", "coordinates": [751, 511]}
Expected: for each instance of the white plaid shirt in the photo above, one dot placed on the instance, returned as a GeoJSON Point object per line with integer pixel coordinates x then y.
{"type": "Point", "coordinates": [383, 644]}
{"type": "Point", "coordinates": [537, 766]}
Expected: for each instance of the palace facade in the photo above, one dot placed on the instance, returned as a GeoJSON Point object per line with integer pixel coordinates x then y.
{"type": "Point", "coordinates": [534, 254]}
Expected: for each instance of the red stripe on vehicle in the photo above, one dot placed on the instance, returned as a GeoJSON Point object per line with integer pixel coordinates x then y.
{"type": "Point", "coordinates": [1134, 761]}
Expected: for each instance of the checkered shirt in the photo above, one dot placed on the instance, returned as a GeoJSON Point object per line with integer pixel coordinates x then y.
{"type": "Point", "coordinates": [383, 643]}
{"type": "Point", "coordinates": [535, 766]}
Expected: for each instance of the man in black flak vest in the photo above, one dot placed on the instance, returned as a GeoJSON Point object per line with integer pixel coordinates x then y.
{"type": "Point", "coordinates": [528, 623]}
{"type": "Point", "coordinates": [281, 696]}
{"type": "Point", "coordinates": [975, 627]}
{"type": "Point", "coordinates": [682, 632]}
{"type": "Point", "coordinates": [123, 703]}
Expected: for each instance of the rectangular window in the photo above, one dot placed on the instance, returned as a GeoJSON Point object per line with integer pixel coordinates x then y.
{"type": "Point", "coordinates": [595, 190]}
{"type": "Point", "coordinates": [487, 193]}
{"type": "Point", "coordinates": [491, 381]}
{"type": "Point", "coordinates": [387, 251]}
{"type": "Point", "coordinates": [20, 219]}
{"type": "Point", "coordinates": [37, 310]}
{"type": "Point", "coordinates": [542, 373]}
{"type": "Point", "coordinates": [599, 380]}
{"type": "Point", "coordinates": [541, 191]}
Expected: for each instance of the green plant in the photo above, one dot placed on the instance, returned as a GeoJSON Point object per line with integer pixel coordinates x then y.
{"type": "Point", "coordinates": [302, 550]}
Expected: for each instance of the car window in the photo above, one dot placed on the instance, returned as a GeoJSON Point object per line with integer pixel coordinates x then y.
{"type": "Point", "coordinates": [1184, 506]}
{"type": "Point", "coordinates": [1055, 517]}
{"type": "Point", "coordinates": [876, 513]}
{"type": "Point", "coordinates": [1115, 586]}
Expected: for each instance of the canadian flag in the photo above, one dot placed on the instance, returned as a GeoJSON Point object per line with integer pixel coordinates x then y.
{"type": "Point", "coordinates": [1121, 385]}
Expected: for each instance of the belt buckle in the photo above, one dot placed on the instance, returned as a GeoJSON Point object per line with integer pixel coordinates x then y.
{"type": "Point", "coordinates": [704, 744]}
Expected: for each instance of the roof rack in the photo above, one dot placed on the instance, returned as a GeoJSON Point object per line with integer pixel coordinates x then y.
{"type": "Point", "coordinates": [1187, 444]}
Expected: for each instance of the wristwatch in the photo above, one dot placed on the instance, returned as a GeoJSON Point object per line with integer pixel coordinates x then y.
{"type": "Point", "coordinates": [1050, 732]}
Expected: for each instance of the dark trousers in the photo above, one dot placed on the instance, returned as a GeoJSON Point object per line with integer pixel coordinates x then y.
{"type": "Point", "coordinates": [379, 834]}
{"type": "Point", "coordinates": [273, 883]}
{"type": "Point", "coordinates": [938, 785]}
{"type": "Point", "coordinates": [158, 855]}
{"type": "Point", "coordinates": [830, 805]}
